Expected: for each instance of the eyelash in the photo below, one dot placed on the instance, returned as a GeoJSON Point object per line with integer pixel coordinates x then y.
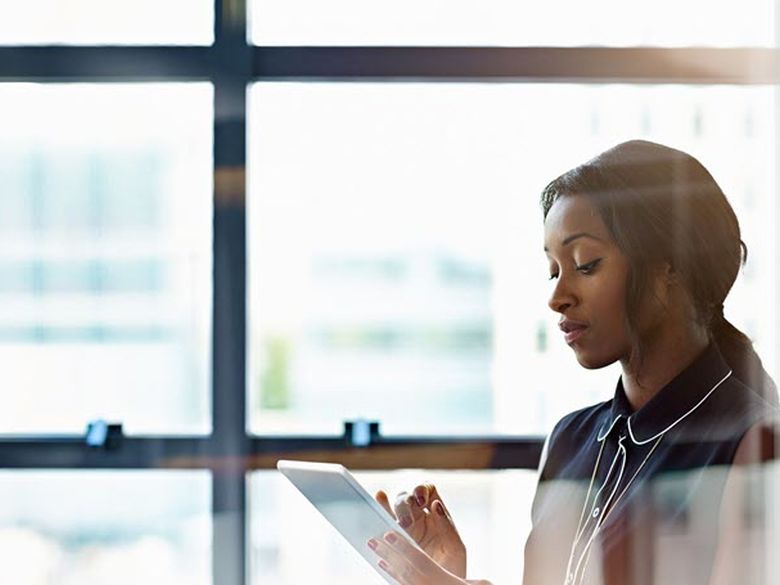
{"type": "Point", "coordinates": [586, 268]}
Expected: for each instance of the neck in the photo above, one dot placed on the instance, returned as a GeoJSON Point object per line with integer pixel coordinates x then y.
{"type": "Point", "coordinates": [661, 363]}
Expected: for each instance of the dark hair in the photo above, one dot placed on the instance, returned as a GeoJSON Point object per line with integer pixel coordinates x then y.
{"type": "Point", "coordinates": [662, 206]}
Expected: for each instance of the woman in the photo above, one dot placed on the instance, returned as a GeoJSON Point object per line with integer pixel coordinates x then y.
{"type": "Point", "coordinates": [643, 248]}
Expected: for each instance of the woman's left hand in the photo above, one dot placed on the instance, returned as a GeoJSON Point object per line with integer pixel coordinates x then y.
{"type": "Point", "coordinates": [409, 565]}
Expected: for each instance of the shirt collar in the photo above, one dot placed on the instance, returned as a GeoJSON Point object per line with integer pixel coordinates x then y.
{"type": "Point", "coordinates": [672, 404]}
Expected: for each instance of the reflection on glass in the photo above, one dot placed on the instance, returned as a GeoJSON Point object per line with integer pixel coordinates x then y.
{"type": "Point", "coordinates": [706, 525]}
{"type": "Point", "coordinates": [510, 23]}
{"type": "Point", "coordinates": [491, 510]}
{"type": "Point", "coordinates": [105, 256]}
{"type": "Point", "coordinates": [108, 22]}
{"type": "Point", "coordinates": [395, 244]}
{"type": "Point", "coordinates": [91, 528]}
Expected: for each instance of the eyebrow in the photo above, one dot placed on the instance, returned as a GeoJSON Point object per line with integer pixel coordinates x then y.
{"type": "Point", "coordinates": [568, 240]}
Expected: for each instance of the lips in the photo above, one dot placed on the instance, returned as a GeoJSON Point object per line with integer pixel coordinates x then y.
{"type": "Point", "coordinates": [572, 329]}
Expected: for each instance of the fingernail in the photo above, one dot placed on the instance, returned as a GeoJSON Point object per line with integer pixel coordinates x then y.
{"type": "Point", "coordinates": [405, 521]}
{"type": "Point", "coordinates": [372, 544]}
{"type": "Point", "coordinates": [420, 500]}
{"type": "Point", "coordinates": [383, 564]}
{"type": "Point", "coordinates": [440, 509]}
{"type": "Point", "coordinates": [391, 537]}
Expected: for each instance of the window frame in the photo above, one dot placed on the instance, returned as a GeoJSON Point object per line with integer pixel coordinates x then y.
{"type": "Point", "coordinates": [231, 64]}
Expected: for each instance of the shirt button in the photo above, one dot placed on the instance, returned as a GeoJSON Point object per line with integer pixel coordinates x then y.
{"type": "Point", "coordinates": [596, 512]}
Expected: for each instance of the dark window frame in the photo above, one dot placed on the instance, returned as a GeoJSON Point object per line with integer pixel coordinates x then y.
{"type": "Point", "coordinates": [231, 64]}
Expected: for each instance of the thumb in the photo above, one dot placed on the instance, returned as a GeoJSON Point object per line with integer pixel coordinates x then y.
{"type": "Point", "coordinates": [381, 497]}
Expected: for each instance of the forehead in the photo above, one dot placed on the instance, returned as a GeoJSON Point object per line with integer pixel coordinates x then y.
{"type": "Point", "coordinates": [572, 214]}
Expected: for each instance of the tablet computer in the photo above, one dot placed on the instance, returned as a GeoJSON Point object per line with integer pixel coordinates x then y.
{"type": "Point", "coordinates": [338, 496]}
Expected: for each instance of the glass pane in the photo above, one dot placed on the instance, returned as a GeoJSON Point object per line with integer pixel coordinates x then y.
{"type": "Point", "coordinates": [91, 528]}
{"type": "Point", "coordinates": [511, 23]}
{"type": "Point", "coordinates": [107, 22]}
{"type": "Point", "coordinates": [492, 510]}
{"type": "Point", "coordinates": [395, 244]}
{"type": "Point", "coordinates": [105, 256]}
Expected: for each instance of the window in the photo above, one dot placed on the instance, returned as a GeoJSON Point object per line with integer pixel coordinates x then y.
{"type": "Point", "coordinates": [504, 23]}
{"type": "Point", "coordinates": [395, 243]}
{"type": "Point", "coordinates": [66, 526]}
{"type": "Point", "coordinates": [105, 256]}
{"type": "Point", "coordinates": [232, 233]}
{"type": "Point", "coordinates": [109, 22]}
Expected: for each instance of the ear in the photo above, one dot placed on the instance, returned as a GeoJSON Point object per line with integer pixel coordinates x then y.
{"type": "Point", "coordinates": [666, 281]}
{"type": "Point", "coordinates": [669, 274]}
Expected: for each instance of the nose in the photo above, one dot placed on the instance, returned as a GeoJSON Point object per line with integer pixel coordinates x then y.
{"type": "Point", "coordinates": [562, 297]}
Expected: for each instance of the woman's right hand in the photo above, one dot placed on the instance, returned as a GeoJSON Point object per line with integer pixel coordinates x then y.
{"type": "Point", "coordinates": [424, 517]}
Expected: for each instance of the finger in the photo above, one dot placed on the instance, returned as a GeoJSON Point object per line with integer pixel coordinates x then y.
{"type": "Point", "coordinates": [392, 562]}
{"type": "Point", "coordinates": [441, 517]}
{"type": "Point", "coordinates": [393, 572]}
{"type": "Point", "coordinates": [439, 512]}
{"type": "Point", "coordinates": [428, 494]}
{"type": "Point", "coordinates": [425, 494]}
{"type": "Point", "coordinates": [405, 574]}
{"type": "Point", "coordinates": [383, 500]}
{"type": "Point", "coordinates": [416, 567]}
{"type": "Point", "coordinates": [407, 510]}
{"type": "Point", "coordinates": [399, 547]}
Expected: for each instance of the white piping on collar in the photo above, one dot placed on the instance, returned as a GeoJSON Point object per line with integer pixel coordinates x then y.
{"type": "Point", "coordinates": [600, 437]}
{"type": "Point", "coordinates": [697, 405]}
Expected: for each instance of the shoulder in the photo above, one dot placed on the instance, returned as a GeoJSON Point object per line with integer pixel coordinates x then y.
{"type": "Point", "coordinates": [570, 434]}
{"type": "Point", "coordinates": [754, 419]}
{"type": "Point", "coordinates": [751, 422]}
{"type": "Point", "coordinates": [581, 424]}
{"type": "Point", "coordinates": [729, 415]}
{"type": "Point", "coordinates": [759, 443]}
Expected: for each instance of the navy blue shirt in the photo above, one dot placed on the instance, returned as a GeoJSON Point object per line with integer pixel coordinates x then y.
{"type": "Point", "coordinates": [632, 498]}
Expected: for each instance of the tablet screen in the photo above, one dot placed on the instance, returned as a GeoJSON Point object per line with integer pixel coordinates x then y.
{"type": "Point", "coordinates": [344, 503]}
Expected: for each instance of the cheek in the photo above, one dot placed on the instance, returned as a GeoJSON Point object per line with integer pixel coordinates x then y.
{"type": "Point", "coordinates": [614, 305]}
{"type": "Point", "coordinates": [607, 313]}
{"type": "Point", "coordinates": [609, 302]}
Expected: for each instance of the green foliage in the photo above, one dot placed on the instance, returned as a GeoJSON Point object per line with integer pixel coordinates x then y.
{"type": "Point", "coordinates": [274, 381]}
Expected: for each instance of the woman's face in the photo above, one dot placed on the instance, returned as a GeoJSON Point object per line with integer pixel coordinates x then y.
{"type": "Point", "coordinates": [589, 274]}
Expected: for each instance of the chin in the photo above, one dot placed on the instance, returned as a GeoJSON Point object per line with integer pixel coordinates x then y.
{"type": "Point", "coordinates": [592, 361]}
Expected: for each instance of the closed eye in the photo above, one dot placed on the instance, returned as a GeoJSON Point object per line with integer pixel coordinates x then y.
{"type": "Point", "coordinates": [589, 267]}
